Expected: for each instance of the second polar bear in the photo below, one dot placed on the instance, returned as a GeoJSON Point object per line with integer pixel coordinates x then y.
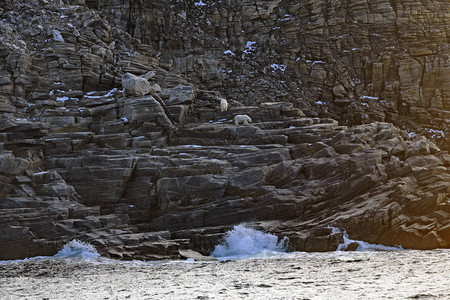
{"type": "Point", "coordinates": [223, 105]}
{"type": "Point", "coordinates": [244, 119]}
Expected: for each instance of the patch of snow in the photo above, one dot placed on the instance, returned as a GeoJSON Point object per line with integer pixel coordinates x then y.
{"type": "Point", "coordinates": [249, 47]}
{"type": "Point", "coordinates": [229, 52]}
{"type": "Point", "coordinates": [275, 67]}
{"type": "Point", "coordinates": [125, 119]}
{"type": "Point", "coordinates": [40, 173]}
{"type": "Point", "coordinates": [369, 97]}
{"type": "Point", "coordinates": [109, 93]}
{"type": "Point", "coordinates": [319, 102]}
{"type": "Point", "coordinates": [317, 62]}
{"type": "Point", "coordinates": [436, 133]}
{"type": "Point", "coordinates": [199, 3]}
{"type": "Point", "coordinates": [64, 98]}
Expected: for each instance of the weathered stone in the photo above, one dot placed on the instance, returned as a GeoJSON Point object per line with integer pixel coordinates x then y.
{"type": "Point", "coordinates": [79, 159]}
{"type": "Point", "coordinates": [13, 236]}
{"type": "Point", "coordinates": [11, 165]}
{"type": "Point", "coordinates": [246, 183]}
{"type": "Point", "coordinates": [178, 95]}
{"type": "Point", "coordinates": [180, 192]}
{"type": "Point", "coordinates": [263, 157]}
{"type": "Point", "coordinates": [444, 236]}
{"type": "Point", "coordinates": [420, 147]}
{"type": "Point", "coordinates": [135, 85]}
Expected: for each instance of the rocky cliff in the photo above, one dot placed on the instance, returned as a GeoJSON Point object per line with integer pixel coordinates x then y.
{"type": "Point", "coordinates": [145, 176]}
{"type": "Point", "coordinates": [354, 61]}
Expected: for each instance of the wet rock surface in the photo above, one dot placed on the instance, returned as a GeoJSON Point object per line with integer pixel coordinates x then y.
{"type": "Point", "coordinates": [143, 176]}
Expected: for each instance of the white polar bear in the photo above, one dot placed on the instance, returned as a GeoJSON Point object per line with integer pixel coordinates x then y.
{"type": "Point", "coordinates": [244, 119]}
{"type": "Point", "coordinates": [223, 105]}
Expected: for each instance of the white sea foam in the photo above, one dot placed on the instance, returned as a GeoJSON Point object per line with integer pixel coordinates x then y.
{"type": "Point", "coordinates": [242, 242]}
{"type": "Point", "coordinates": [362, 246]}
{"type": "Point", "coordinates": [76, 248]}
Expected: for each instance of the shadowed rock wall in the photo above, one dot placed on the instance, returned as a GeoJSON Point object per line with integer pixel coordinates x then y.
{"type": "Point", "coordinates": [365, 60]}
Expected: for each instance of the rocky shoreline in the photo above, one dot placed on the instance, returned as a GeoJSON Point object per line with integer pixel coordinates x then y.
{"type": "Point", "coordinates": [141, 177]}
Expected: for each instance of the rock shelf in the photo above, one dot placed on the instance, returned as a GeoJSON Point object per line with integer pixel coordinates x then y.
{"type": "Point", "coordinates": [143, 177]}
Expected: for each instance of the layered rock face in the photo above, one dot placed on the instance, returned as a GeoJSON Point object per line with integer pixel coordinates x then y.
{"type": "Point", "coordinates": [143, 176]}
{"type": "Point", "coordinates": [355, 61]}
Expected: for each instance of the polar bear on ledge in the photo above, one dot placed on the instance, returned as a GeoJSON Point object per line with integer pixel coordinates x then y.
{"type": "Point", "coordinates": [244, 119]}
{"type": "Point", "coordinates": [223, 105]}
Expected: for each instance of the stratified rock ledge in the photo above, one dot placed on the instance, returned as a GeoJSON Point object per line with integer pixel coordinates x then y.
{"type": "Point", "coordinates": [150, 175]}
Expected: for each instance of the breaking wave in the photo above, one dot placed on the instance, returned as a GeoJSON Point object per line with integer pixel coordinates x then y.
{"type": "Point", "coordinates": [362, 246]}
{"type": "Point", "coordinates": [76, 248]}
{"type": "Point", "coordinates": [241, 242]}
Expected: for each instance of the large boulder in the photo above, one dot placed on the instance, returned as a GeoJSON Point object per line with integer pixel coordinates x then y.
{"type": "Point", "coordinates": [135, 85]}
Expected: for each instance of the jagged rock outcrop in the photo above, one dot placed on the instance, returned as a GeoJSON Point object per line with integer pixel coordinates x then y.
{"type": "Point", "coordinates": [143, 176]}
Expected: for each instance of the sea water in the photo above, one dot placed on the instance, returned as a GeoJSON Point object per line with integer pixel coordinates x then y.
{"type": "Point", "coordinates": [244, 242]}
{"type": "Point", "coordinates": [253, 265]}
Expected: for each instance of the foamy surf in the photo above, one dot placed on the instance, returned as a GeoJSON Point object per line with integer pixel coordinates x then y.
{"type": "Point", "coordinates": [77, 249]}
{"type": "Point", "coordinates": [362, 246]}
{"type": "Point", "coordinates": [73, 249]}
{"type": "Point", "coordinates": [244, 242]}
